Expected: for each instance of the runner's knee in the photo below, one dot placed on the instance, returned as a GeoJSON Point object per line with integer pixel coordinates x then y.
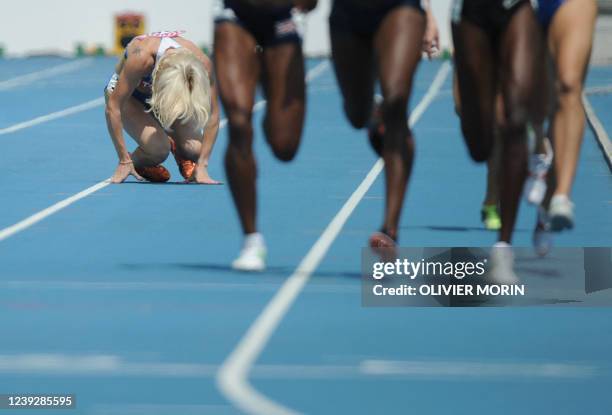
{"type": "Point", "coordinates": [357, 115]}
{"type": "Point", "coordinates": [517, 115]}
{"type": "Point", "coordinates": [478, 139]}
{"type": "Point", "coordinates": [240, 130]}
{"type": "Point", "coordinates": [283, 141]}
{"type": "Point", "coordinates": [394, 109]}
{"type": "Point", "coordinates": [156, 151]}
{"type": "Point", "coordinates": [569, 87]}
{"type": "Point", "coordinates": [190, 149]}
{"type": "Point", "coordinates": [285, 152]}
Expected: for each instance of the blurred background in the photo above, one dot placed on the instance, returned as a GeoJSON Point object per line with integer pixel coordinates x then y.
{"type": "Point", "coordinates": [37, 27]}
{"type": "Point", "coordinates": [69, 27]}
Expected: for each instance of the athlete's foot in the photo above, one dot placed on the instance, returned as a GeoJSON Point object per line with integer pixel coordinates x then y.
{"type": "Point", "coordinates": [539, 164]}
{"type": "Point", "coordinates": [501, 265]}
{"type": "Point", "coordinates": [376, 128]}
{"type": "Point", "coordinates": [253, 254]}
{"type": "Point", "coordinates": [542, 237]}
{"type": "Point", "coordinates": [186, 167]}
{"type": "Point", "coordinates": [155, 174]}
{"type": "Point", "coordinates": [489, 214]}
{"type": "Point", "coordinates": [561, 212]}
{"type": "Point", "coordinates": [381, 240]}
{"type": "Point", "coordinates": [383, 246]}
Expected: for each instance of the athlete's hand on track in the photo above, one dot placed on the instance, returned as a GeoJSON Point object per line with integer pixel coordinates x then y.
{"type": "Point", "coordinates": [431, 39]}
{"type": "Point", "coordinates": [305, 5]}
{"type": "Point", "coordinates": [200, 176]}
{"type": "Point", "coordinates": [122, 172]}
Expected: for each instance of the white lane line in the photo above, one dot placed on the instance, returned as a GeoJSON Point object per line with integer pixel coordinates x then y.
{"type": "Point", "coordinates": [598, 90]}
{"type": "Point", "coordinates": [600, 132]}
{"type": "Point", "coordinates": [45, 73]}
{"type": "Point", "coordinates": [452, 370]}
{"type": "Point", "coordinates": [259, 286]}
{"type": "Point", "coordinates": [233, 376]}
{"type": "Point", "coordinates": [98, 102]}
{"type": "Point", "coordinates": [475, 370]}
{"type": "Point", "coordinates": [97, 364]}
{"type": "Point", "coordinates": [160, 409]}
{"type": "Point", "coordinates": [37, 217]}
{"type": "Point", "coordinates": [316, 71]}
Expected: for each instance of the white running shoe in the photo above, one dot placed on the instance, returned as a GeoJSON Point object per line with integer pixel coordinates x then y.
{"type": "Point", "coordinates": [501, 265]}
{"type": "Point", "coordinates": [252, 257]}
{"type": "Point", "coordinates": [539, 164]}
{"type": "Point", "coordinates": [561, 212]}
{"type": "Point", "coordinates": [542, 237]}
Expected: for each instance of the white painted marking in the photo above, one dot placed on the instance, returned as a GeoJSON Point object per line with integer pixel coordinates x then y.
{"type": "Point", "coordinates": [260, 286]}
{"type": "Point", "coordinates": [57, 363]}
{"type": "Point", "coordinates": [452, 370]}
{"type": "Point", "coordinates": [475, 370]}
{"type": "Point", "coordinates": [233, 376]}
{"type": "Point", "coordinates": [598, 90]}
{"type": "Point", "coordinates": [317, 70]}
{"type": "Point", "coordinates": [45, 73]}
{"type": "Point", "coordinates": [600, 132]}
{"type": "Point", "coordinates": [37, 217]}
{"type": "Point", "coordinates": [161, 409]}
{"type": "Point", "coordinates": [98, 365]}
{"type": "Point", "coordinates": [98, 102]}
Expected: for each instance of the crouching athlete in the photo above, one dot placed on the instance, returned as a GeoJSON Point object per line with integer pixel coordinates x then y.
{"type": "Point", "coordinates": [163, 95]}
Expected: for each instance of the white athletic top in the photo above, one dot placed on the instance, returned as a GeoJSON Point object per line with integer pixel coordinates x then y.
{"type": "Point", "coordinates": [165, 44]}
{"type": "Point", "coordinates": [166, 41]}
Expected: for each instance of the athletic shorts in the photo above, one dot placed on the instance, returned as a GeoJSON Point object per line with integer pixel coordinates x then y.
{"type": "Point", "coordinates": [363, 17]}
{"type": "Point", "coordinates": [270, 26]}
{"type": "Point", "coordinates": [490, 15]}
{"type": "Point", "coordinates": [546, 10]}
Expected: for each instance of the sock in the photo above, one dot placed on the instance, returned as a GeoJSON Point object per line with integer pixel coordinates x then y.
{"type": "Point", "coordinates": [253, 240]}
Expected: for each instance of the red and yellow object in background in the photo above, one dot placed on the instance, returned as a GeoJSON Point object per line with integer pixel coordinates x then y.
{"type": "Point", "coordinates": [127, 27]}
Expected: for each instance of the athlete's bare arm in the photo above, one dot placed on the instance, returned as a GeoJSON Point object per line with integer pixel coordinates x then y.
{"type": "Point", "coordinates": [138, 64]}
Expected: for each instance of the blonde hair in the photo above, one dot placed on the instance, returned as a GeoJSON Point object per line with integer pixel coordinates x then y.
{"type": "Point", "coordinates": [181, 90]}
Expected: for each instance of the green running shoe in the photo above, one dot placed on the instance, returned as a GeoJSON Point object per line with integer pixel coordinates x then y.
{"type": "Point", "coordinates": [489, 215]}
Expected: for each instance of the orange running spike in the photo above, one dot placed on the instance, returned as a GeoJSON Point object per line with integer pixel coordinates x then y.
{"type": "Point", "coordinates": [155, 174]}
{"type": "Point", "coordinates": [186, 167]}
